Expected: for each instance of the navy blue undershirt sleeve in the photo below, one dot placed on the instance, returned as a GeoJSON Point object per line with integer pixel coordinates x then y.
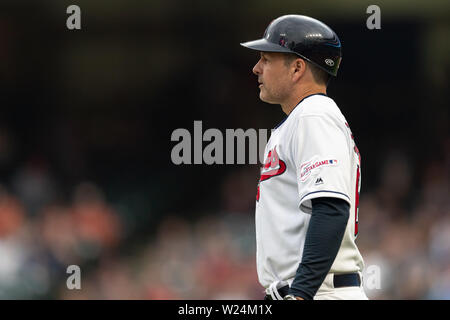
{"type": "Point", "coordinates": [324, 236]}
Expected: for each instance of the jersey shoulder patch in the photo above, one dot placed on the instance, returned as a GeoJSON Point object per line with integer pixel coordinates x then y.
{"type": "Point", "coordinates": [312, 167]}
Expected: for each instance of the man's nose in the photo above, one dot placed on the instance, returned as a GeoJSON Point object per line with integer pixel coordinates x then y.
{"type": "Point", "coordinates": [257, 69]}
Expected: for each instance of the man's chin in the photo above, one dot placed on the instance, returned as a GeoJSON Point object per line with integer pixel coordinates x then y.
{"type": "Point", "coordinates": [266, 99]}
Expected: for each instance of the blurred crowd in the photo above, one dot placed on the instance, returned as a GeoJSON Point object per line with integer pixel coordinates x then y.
{"type": "Point", "coordinates": [404, 225]}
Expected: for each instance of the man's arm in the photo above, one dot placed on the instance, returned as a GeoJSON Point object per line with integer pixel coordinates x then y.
{"type": "Point", "coordinates": [324, 236]}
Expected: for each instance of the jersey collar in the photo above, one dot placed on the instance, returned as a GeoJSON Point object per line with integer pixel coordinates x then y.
{"type": "Point", "coordinates": [314, 94]}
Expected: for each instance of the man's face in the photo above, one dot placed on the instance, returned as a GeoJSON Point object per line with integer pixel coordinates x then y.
{"type": "Point", "coordinates": [273, 76]}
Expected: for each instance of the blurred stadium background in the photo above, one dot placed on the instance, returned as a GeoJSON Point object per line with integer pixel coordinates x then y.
{"type": "Point", "coordinates": [86, 119]}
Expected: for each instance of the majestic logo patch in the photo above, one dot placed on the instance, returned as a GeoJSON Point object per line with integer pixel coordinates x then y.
{"type": "Point", "coordinates": [273, 166]}
{"type": "Point", "coordinates": [319, 181]}
{"type": "Point", "coordinates": [307, 168]}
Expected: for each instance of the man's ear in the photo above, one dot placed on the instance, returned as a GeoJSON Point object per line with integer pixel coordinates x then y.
{"type": "Point", "coordinates": [299, 68]}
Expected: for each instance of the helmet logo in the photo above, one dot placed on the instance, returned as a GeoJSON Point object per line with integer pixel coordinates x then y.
{"type": "Point", "coordinates": [329, 62]}
{"type": "Point", "coordinates": [282, 41]}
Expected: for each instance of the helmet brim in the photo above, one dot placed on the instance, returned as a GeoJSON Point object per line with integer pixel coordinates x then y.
{"type": "Point", "coordinates": [265, 46]}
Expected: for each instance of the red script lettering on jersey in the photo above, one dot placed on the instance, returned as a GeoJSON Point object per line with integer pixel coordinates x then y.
{"type": "Point", "coordinates": [273, 166]}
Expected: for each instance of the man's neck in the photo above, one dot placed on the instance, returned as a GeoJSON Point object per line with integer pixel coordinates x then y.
{"type": "Point", "coordinates": [293, 102]}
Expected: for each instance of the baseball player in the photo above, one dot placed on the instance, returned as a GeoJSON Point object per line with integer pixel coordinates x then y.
{"type": "Point", "coordinates": [308, 192]}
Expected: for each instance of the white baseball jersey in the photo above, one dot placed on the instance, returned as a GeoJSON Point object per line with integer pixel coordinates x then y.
{"type": "Point", "coordinates": [311, 154]}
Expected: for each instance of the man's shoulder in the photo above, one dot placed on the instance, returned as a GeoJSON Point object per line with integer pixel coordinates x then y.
{"type": "Point", "coordinates": [318, 105]}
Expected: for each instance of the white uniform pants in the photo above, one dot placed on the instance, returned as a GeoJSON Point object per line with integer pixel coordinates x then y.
{"type": "Point", "coordinates": [327, 291]}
